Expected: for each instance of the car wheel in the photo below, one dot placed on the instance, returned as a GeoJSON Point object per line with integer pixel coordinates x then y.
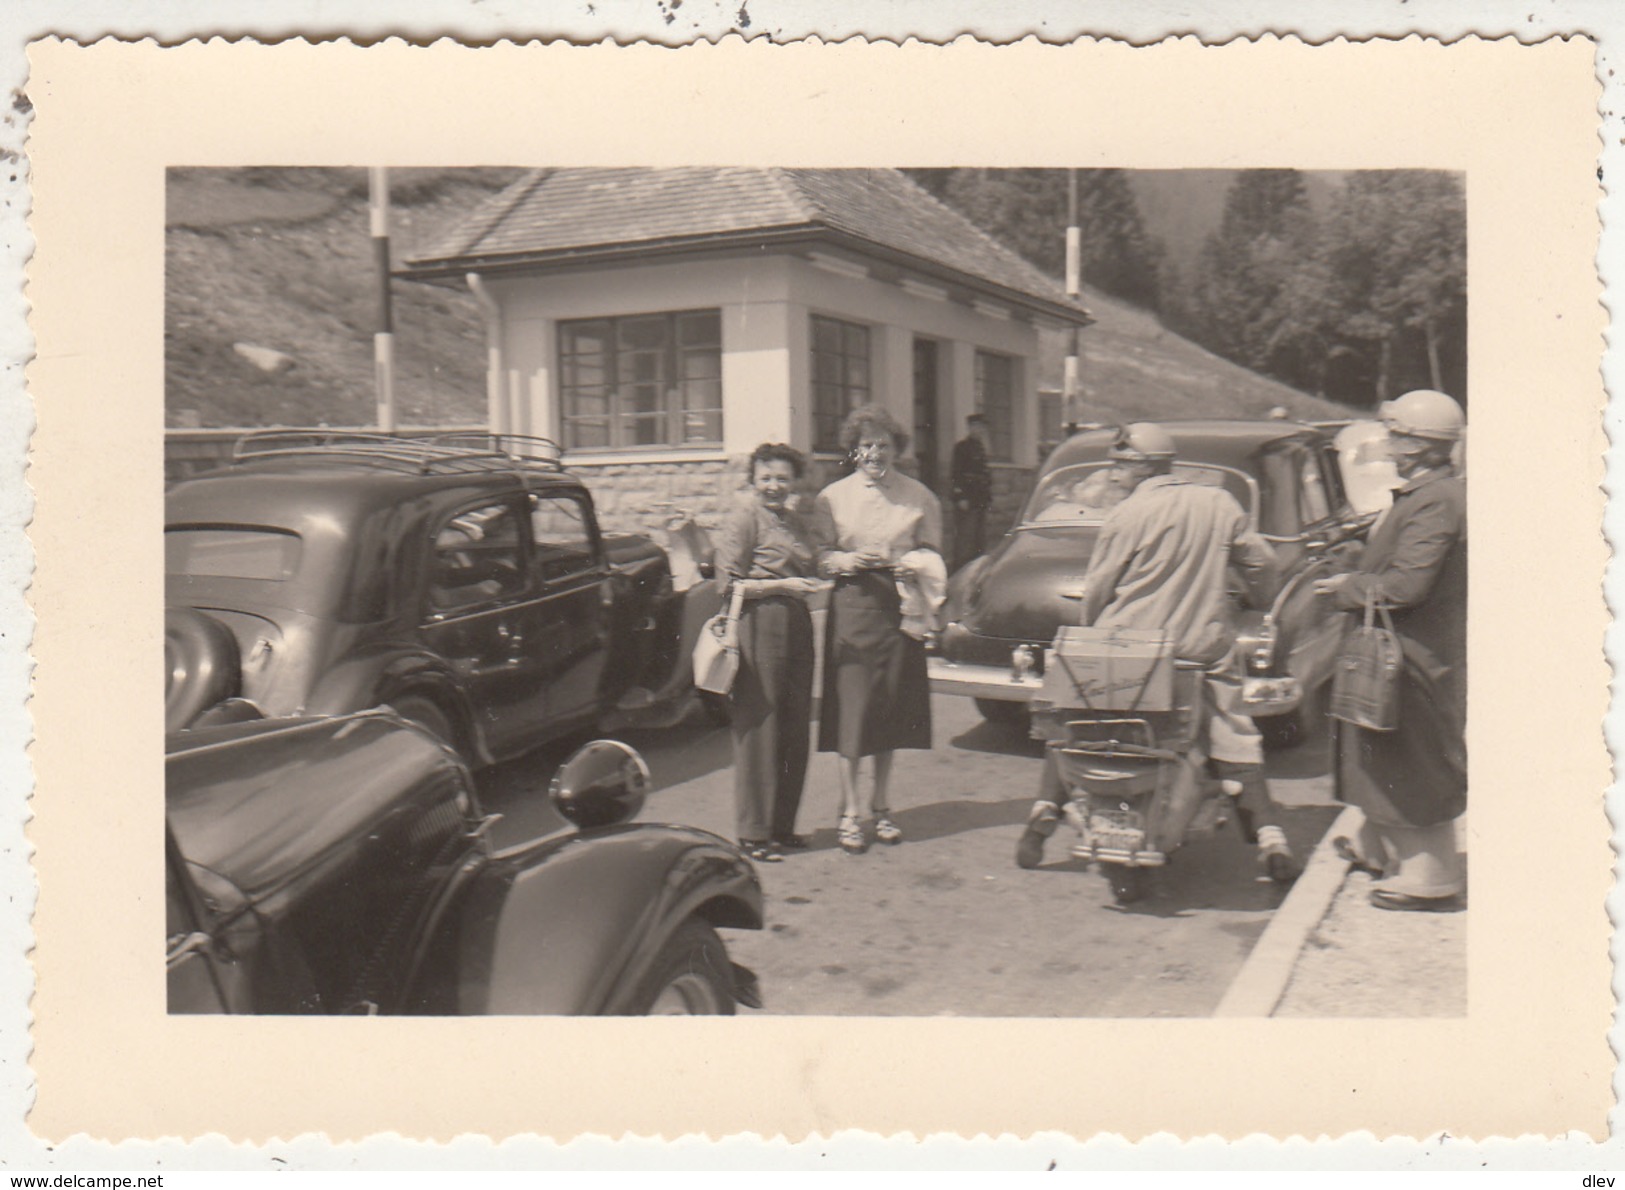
{"type": "Point", "coordinates": [718, 707]}
{"type": "Point", "coordinates": [996, 710]}
{"type": "Point", "coordinates": [691, 977]}
{"type": "Point", "coordinates": [1128, 884]}
{"type": "Point", "coordinates": [415, 708]}
{"type": "Point", "coordinates": [201, 665]}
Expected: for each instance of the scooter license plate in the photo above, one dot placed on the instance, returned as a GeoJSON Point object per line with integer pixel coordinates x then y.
{"type": "Point", "coordinates": [1117, 828]}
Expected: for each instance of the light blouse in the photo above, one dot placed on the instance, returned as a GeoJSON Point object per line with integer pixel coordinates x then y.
{"type": "Point", "coordinates": [891, 515]}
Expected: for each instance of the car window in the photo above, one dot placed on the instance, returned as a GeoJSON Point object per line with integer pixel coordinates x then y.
{"type": "Point", "coordinates": [477, 558]}
{"type": "Point", "coordinates": [267, 555]}
{"type": "Point", "coordinates": [1282, 475]}
{"type": "Point", "coordinates": [559, 531]}
{"type": "Point", "coordinates": [1086, 492]}
{"type": "Point", "coordinates": [1314, 501]}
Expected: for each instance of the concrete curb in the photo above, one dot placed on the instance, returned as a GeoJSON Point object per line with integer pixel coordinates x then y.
{"type": "Point", "coordinates": [1258, 987]}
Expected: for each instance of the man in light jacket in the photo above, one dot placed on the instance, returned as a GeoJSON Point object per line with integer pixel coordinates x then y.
{"type": "Point", "coordinates": [1160, 563]}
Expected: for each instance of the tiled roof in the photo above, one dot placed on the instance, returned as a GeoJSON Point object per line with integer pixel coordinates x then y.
{"type": "Point", "coordinates": [559, 211]}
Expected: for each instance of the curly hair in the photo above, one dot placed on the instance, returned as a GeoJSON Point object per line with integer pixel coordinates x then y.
{"type": "Point", "coordinates": [867, 418]}
{"type": "Point", "coordinates": [771, 452]}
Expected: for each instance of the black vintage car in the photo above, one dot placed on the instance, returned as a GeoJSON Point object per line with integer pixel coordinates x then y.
{"type": "Point", "coordinates": [344, 865]}
{"type": "Point", "coordinates": [463, 581]}
{"type": "Point", "coordinates": [1003, 609]}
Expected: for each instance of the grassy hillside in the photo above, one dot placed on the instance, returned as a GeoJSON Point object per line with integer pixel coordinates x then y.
{"type": "Point", "coordinates": [280, 258]}
{"type": "Point", "coordinates": [1133, 367]}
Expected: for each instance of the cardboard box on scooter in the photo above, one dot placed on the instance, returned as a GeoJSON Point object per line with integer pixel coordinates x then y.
{"type": "Point", "coordinates": [1109, 669]}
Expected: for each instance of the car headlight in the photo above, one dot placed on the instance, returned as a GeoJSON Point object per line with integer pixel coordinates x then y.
{"type": "Point", "coordinates": [1271, 694]}
{"type": "Point", "coordinates": [1258, 645]}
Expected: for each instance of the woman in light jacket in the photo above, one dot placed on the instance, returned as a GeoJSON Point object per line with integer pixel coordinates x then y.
{"type": "Point", "coordinates": [769, 551]}
{"type": "Point", "coordinates": [876, 695]}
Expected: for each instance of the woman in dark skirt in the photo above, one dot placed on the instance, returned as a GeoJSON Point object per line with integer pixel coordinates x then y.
{"type": "Point", "coordinates": [876, 696]}
{"type": "Point", "coordinates": [769, 551]}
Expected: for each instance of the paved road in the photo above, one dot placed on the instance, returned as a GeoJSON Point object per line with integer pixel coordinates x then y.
{"type": "Point", "coordinates": [946, 924]}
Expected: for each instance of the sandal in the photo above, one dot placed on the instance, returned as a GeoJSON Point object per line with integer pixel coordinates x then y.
{"type": "Point", "coordinates": [886, 830]}
{"type": "Point", "coordinates": [850, 835]}
{"type": "Point", "coordinates": [760, 851]}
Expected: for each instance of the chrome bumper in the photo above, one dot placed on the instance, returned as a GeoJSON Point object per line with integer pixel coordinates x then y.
{"type": "Point", "coordinates": [980, 681]}
{"type": "Point", "coordinates": [1259, 695]}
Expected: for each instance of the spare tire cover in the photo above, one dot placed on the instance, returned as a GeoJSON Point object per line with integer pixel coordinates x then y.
{"type": "Point", "coordinates": [201, 665]}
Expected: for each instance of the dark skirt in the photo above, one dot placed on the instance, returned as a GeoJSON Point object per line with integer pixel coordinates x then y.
{"type": "Point", "coordinates": [876, 695]}
{"type": "Point", "coordinates": [772, 716]}
{"type": "Point", "coordinates": [1415, 775]}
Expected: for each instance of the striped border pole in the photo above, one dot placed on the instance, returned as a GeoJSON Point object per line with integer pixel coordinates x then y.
{"type": "Point", "coordinates": [383, 340]}
{"type": "Point", "coordinates": [1074, 287]}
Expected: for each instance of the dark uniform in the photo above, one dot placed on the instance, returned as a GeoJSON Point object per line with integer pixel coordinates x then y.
{"type": "Point", "coordinates": [972, 487]}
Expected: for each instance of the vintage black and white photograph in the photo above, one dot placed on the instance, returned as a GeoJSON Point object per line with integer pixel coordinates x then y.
{"type": "Point", "coordinates": [943, 565]}
{"type": "Point", "coordinates": [987, 592]}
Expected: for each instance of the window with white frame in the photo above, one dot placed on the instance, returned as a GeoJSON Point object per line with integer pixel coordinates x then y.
{"type": "Point", "coordinates": [996, 400]}
{"type": "Point", "coordinates": [641, 380]}
{"type": "Point", "coordinates": [840, 376]}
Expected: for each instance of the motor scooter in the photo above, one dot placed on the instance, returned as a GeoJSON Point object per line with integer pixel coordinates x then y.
{"type": "Point", "coordinates": [1127, 752]}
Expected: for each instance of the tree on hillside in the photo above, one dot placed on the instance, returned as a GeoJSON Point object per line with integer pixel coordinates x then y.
{"type": "Point", "coordinates": [1358, 305]}
{"type": "Point", "coordinates": [1027, 210]}
{"type": "Point", "coordinates": [1395, 264]}
{"type": "Point", "coordinates": [1247, 276]}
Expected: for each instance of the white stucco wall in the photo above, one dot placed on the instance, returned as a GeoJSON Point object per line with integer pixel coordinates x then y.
{"type": "Point", "coordinates": [766, 302]}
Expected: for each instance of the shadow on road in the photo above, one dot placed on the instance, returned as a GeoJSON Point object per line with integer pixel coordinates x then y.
{"type": "Point", "coordinates": [684, 753]}
{"type": "Point", "coordinates": [1216, 871]}
{"type": "Point", "coordinates": [939, 820]}
{"type": "Point", "coordinates": [1005, 739]}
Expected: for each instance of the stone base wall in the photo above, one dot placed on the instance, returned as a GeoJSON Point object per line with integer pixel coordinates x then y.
{"type": "Point", "coordinates": [639, 497]}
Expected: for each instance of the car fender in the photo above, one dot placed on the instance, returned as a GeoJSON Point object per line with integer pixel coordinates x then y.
{"type": "Point", "coordinates": [372, 679]}
{"type": "Point", "coordinates": [571, 926]}
{"type": "Point", "coordinates": [963, 584]}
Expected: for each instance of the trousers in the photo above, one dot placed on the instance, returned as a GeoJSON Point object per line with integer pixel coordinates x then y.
{"type": "Point", "coordinates": [772, 713]}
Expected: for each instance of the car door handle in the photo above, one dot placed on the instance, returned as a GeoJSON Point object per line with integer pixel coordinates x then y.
{"type": "Point", "coordinates": [513, 638]}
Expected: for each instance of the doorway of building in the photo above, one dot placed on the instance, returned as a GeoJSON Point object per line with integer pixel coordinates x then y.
{"type": "Point", "coordinates": [925, 410]}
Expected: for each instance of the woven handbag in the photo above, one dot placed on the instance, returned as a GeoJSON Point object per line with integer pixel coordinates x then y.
{"type": "Point", "coordinates": [1365, 684]}
{"type": "Point", "coordinates": [716, 650]}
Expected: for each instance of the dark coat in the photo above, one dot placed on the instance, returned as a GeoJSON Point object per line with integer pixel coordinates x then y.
{"type": "Point", "coordinates": [971, 481]}
{"type": "Point", "coordinates": [1416, 560]}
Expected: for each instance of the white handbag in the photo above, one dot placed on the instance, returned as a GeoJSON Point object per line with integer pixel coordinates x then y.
{"type": "Point", "coordinates": [716, 651]}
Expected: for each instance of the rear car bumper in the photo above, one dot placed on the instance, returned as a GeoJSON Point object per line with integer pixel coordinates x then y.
{"type": "Point", "coordinates": [1260, 696]}
{"type": "Point", "coordinates": [981, 681]}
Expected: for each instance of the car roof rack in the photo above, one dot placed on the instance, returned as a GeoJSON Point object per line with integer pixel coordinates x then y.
{"type": "Point", "coordinates": [427, 454]}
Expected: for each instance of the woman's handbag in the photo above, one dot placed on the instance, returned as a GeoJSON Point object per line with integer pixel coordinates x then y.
{"type": "Point", "coordinates": [1365, 684]}
{"type": "Point", "coordinates": [716, 651]}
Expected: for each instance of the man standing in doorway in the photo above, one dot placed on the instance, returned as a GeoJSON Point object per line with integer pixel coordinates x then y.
{"type": "Point", "coordinates": [972, 490]}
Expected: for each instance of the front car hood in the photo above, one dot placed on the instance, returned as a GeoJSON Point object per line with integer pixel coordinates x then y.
{"type": "Point", "coordinates": [1027, 588]}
